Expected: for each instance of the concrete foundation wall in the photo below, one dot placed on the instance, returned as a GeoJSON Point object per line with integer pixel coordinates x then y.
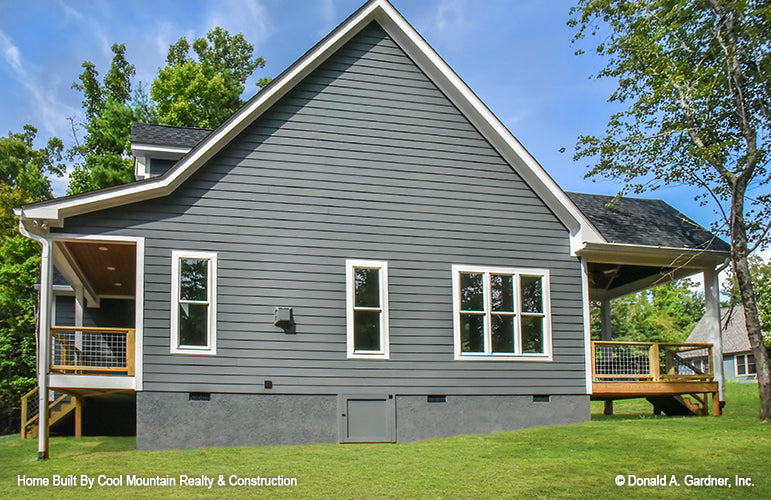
{"type": "Point", "coordinates": [172, 420]}
{"type": "Point", "coordinates": [418, 419]}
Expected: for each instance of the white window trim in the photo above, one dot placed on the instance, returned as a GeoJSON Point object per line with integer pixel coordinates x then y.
{"type": "Point", "coordinates": [211, 347]}
{"type": "Point", "coordinates": [382, 266]}
{"type": "Point", "coordinates": [746, 365]}
{"type": "Point", "coordinates": [518, 355]}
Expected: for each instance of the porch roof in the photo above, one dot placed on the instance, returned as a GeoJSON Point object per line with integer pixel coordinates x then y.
{"type": "Point", "coordinates": [645, 222]}
{"type": "Point", "coordinates": [647, 243]}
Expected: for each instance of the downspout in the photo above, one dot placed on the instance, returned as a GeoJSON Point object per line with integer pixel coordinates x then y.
{"type": "Point", "coordinates": [44, 338]}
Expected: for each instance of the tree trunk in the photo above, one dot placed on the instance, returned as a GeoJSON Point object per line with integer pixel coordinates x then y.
{"type": "Point", "coordinates": [739, 254]}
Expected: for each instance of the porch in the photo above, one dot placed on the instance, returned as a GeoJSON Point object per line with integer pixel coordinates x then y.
{"type": "Point", "coordinates": [677, 378]}
{"type": "Point", "coordinates": [649, 243]}
{"type": "Point", "coordinates": [88, 347]}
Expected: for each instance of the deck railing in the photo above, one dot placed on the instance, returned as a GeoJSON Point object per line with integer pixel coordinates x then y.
{"type": "Point", "coordinates": [651, 362]}
{"type": "Point", "coordinates": [88, 350]}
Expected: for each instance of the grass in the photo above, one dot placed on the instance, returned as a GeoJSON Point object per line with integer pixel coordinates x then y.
{"type": "Point", "coordinates": [573, 461]}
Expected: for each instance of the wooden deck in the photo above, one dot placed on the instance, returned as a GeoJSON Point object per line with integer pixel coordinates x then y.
{"type": "Point", "coordinates": [623, 370]}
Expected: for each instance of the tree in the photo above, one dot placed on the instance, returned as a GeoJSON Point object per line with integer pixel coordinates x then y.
{"type": "Point", "coordinates": [694, 78]}
{"type": "Point", "coordinates": [104, 152]}
{"type": "Point", "coordinates": [24, 173]}
{"type": "Point", "coordinates": [666, 313]}
{"type": "Point", "coordinates": [206, 91]}
{"type": "Point", "coordinates": [761, 282]}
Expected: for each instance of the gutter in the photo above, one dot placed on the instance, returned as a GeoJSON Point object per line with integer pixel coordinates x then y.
{"type": "Point", "coordinates": [44, 339]}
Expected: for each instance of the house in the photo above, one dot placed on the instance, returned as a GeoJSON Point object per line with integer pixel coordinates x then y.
{"type": "Point", "coordinates": [362, 253]}
{"type": "Point", "coordinates": [738, 360]}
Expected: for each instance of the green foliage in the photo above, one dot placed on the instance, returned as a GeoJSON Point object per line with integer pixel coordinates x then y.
{"type": "Point", "coordinates": [666, 313]}
{"type": "Point", "coordinates": [206, 91]}
{"type": "Point", "coordinates": [25, 168]}
{"type": "Point", "coordinates": [761, 285]}
{"type": "Point", "coordinates": [19, 266]}
{"type": "Point", "coordinates": [144, 111]}
{"type": "Point", "coordinates": [108, 126]}
{"type": "Point", "coordinates": [694, 81]}
{"type": "Point", "coordinates": [23, 179]}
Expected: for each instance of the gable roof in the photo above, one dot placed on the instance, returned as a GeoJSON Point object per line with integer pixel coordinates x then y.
{"type": "Point", "coordinates": [150, 134]}
{"type": "Point", "coordinates": [732, 323]}
{"type": "Point", "coordinates": [638, 221]}
{"type": "Point", "coordinates": [52, 213]}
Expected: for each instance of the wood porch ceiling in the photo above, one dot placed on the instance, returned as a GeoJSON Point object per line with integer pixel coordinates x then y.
{"type": "Point", "coordinates": [109, 268]}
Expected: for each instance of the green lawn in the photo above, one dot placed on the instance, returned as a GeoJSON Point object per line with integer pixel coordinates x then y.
{"type": "Point", "coordinates": [574, 461]}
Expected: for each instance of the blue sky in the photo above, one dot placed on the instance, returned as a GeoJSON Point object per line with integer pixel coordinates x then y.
{"type": "Point", "coordinates": [516, 56]}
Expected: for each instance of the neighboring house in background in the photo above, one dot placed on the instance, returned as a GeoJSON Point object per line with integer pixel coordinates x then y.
{"type": "Point", "coordinates": [738, 361]}
{"type": "Point", "coordinates": [361, 253]}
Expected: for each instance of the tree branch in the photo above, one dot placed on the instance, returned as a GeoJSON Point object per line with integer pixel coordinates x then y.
{"type": "Point", "coordinates": [760, 238]}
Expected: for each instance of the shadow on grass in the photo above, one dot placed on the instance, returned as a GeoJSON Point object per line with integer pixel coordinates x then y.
{"type": "Point", "coordinates": [117, 444]}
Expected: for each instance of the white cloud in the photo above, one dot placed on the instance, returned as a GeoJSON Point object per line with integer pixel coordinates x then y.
{"type": "Point", "coordinates": [449, 18]}
{"type": "Point", "coordinates": [328, 15]}
{"type": "Point", "coordinates": [249, 17]}
{"type": "Point", "coordinates": [45, 106]}
{"type": "Point", "coordinates": [70, 11]}
{"type": "Point", "coordinates": [10, 53]}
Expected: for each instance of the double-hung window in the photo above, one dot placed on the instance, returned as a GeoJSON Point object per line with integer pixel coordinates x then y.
{"type": "Point", "coordinates": [367, 308]}
{"type": "Point", "coordinates": [501, 313]}
{"type": "Point", "coordinates": [745, 365]}
{"type": "Point", "coordinates": [193, 302]}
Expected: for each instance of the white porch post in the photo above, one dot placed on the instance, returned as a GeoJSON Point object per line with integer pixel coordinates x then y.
{"type": "Point", "coordinates": [79, 301]}
{"type": "Point", "coordinates": [44, 345]}
{"type": "Point", "coordinates": [712, 322]}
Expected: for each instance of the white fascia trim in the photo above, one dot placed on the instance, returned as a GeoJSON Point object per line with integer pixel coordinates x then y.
{"type": "Point", "coordinates": [91, 382]}
{"type": "Point", "coordinates": [427, 59]}
{"type": "Point", "coordinates": [382, 267]}
{"type": "Point", "coordinates": [622, 253]}
{"type": "Point", "coordinates": [486, 122]}
{"type": "Point", "coordinates": [149, 148]}
{"type": "Point", "coordinates": [55, 211]}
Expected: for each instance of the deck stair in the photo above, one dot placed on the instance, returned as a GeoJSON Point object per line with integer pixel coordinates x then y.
{"type": "Point", "coordinates": [60, 405]}
{"type": "Point", "coordinates": [677, 405]}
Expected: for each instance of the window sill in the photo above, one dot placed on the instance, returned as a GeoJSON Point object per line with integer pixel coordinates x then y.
{"type": "Point", "coordinates": [503, 357]}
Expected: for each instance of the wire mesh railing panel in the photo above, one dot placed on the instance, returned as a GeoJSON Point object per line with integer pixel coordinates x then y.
{"type": "Point", "coordinates": [622, 360]}
{"type": "Point", "coordinates": [652, 361]}
{"type": "Point", "coordinates": [677, 361]}
{"type": "Point", "coordinates": [89, 349]}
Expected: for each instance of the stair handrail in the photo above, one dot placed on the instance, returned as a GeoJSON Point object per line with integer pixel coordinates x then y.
{"type": "Point", "coordinates": [26, 419]}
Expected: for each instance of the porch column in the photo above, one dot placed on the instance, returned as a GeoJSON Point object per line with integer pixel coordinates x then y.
{"type": "Point", "coordinates": [79, 301]}
{"type": "Point", "coordinates": [606, 332]}
{"type": "Point", "coordinates": [44, 345]}
{"type": "Point", "coordinates": [712, 324]}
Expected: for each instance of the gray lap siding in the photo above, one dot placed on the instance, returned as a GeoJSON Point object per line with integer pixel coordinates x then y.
{"type": "Point", "coordinates": [365, 159]}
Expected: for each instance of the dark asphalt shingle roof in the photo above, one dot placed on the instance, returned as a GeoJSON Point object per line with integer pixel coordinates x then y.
{"type": "Point", "coordinates": [637, 221]}
{"type": "Point", "coordinates": [167, 135]}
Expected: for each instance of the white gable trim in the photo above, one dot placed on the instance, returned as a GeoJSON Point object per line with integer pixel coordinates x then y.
{"type": "Point", "coordinates": [54, 212]}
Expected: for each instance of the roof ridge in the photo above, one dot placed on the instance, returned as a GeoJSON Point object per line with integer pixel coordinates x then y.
{"type": "Point", "coordinates": [170, 126]}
